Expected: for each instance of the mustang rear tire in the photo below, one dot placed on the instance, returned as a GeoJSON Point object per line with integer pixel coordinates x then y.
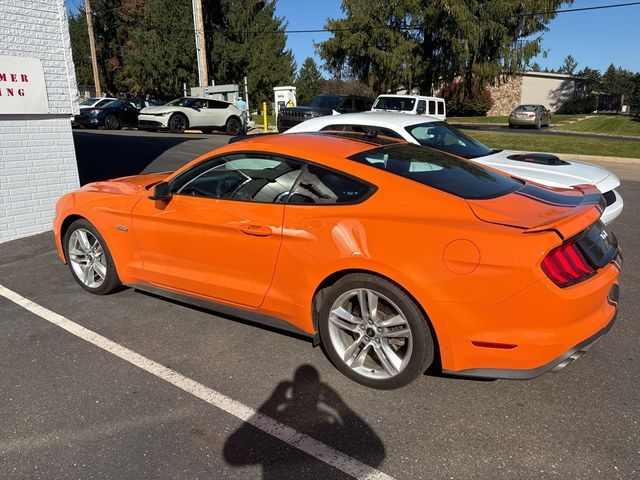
{"type": "Point", "coordinates": [373, 332]}
{"type": "Point", "coordinates": [89, 258]}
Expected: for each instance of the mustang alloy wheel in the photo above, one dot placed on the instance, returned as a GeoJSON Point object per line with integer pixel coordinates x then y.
{"type": "Point", "coordinates": [89, 258]}
{"type": "Point", "coordinates": [374, 333]}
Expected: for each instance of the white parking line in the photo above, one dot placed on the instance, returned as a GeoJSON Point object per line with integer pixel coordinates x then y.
{"type": "Point", "coordinates": [305, 443]}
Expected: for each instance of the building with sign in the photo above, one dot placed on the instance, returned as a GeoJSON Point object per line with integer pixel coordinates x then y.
{"type": "Point", "coordinates": [37, 98]}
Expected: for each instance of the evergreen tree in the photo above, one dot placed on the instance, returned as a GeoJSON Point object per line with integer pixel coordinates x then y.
{"type": "Point", "coordinates": [423, 43]}
{"type": "Point", "coordinates": [569, 65]}
{"type": "Point", "coordinates": [160, 55]}
{"type": "Point", "coordinates": [308, 82]}
{"type": "Point", "coordinates": [535, 67]}
{"type": "Point", "coordinates": [246, 38]}
{"type": "Point", "coordinates": [111, 25]}
{"type": "Point", "coordinates": [617, 81]}
{"type": "Point", "coordinates": [634, 97]}
{"type": "Point", "coordinates": [79, 36]}
{"type": "Point", "coordinates": [590, 73]}
{"type": "Point", "coordinates": [373, 44]}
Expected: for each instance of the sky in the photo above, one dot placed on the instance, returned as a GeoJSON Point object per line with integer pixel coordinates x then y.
{"type": "Point", "coordinates": [594, 38]}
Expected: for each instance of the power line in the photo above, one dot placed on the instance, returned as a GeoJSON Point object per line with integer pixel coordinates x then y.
{"type": "Point", "coordinates": [379, 27]}
{"type": "Point", "coordinates": [419, 26]}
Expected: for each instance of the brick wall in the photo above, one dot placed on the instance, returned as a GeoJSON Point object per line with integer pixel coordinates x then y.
{"type": "Point", "coordinates": [37, 157]}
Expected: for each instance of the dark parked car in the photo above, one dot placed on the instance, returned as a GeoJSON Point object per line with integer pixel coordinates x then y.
{"type": "Point", "coordinates": [320, 106]}
{"type": "Point", "coordinates": [114, 115]}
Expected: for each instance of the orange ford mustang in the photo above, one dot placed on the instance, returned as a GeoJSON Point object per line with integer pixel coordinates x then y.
{"type": "Point", "coordinates": [391, 255]}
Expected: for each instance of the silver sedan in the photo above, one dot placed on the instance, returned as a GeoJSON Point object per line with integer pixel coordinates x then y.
{"type": "Point", "coordinates": [530, 115]}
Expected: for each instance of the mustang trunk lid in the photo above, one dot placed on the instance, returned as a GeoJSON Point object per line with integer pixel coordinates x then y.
{"type": "Point", "coordinates": [534, 208]}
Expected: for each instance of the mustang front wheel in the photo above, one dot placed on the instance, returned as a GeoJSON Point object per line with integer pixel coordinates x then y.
{"type": "Point", "coordinates": [89, 258]}
{"type": "Point", "coordinates": [374, 333]}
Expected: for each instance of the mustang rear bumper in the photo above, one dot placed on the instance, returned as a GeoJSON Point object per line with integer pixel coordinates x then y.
{"type": "Point", "coordinates": [554, 365]}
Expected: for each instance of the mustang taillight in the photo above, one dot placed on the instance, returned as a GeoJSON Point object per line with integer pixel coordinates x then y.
{"type": "Point", "coordinates": [565, 265]}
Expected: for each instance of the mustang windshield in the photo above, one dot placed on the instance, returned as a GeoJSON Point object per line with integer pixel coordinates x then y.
{"type": "Point", "coordinates": [439, 170]}
{"type": "Point", "coordinates": [442, 136]}
{"type": "Point", "coordinates": [326, 101]}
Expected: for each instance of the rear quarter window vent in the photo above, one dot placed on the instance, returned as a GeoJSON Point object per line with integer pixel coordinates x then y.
{"type": "Point", "coordinates": [539, 158]}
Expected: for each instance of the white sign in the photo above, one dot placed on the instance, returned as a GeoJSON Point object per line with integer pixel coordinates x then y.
{"type": "Point", "coordinates": [22, 87]}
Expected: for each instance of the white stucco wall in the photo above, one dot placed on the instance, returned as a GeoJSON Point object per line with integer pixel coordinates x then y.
{"type": "Point", "coordinates": [37, 156]}
{"type": "Point", "coordinates": [550, 92]}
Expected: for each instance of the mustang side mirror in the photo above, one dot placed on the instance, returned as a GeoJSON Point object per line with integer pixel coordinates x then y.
{"type": "Point", "coordinates": [162, 191]}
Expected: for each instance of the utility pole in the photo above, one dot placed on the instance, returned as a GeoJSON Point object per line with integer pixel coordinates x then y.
{"type": "Point", "coordinates": [201, 48]}
{"type": "Point", "coordinates": [92, 46]}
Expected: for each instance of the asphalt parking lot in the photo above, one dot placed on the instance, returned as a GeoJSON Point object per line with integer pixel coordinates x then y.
{"type": "Point", "coordinates": [71, 409]}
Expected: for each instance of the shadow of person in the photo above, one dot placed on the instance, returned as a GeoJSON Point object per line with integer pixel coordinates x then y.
{"type": "Point", "coordinates": [315, 409]}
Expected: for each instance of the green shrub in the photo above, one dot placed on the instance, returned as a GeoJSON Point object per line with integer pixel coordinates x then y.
{"type": "Point", "coordinates": [575, 106]}
{"type": "Point", "coordinates": [634, 98]}
{"type": "Point", "coordinates": [475, 103]}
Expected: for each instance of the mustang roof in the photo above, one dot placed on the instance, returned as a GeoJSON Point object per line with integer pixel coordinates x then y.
{"type": "Point", "coordinates": [314, 142]}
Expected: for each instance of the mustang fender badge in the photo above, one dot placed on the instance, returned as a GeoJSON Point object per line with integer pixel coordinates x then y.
{"type": "Point", "coordinates": [124, 228]}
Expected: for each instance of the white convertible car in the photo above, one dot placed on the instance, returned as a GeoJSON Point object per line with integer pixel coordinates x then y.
{"type": "Point", "coordinates": [192, 112]}
{"type": "Point", "coordinates": [542, 168]}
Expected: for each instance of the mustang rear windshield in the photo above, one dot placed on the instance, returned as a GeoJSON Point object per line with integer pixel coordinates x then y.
{"type": "Point", "coordinates": [439, 170]}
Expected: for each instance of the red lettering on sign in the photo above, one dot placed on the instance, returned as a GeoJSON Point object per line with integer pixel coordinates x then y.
{"type": "Point", "coordinates": [3, 77]}
{"type": "Point", "coordinates": [21, 92]}
{"type": "Point", "coordinates": [14, 77]}
{"type": "Point", "coordinates": [24, 78]}
{"type": "Point", "coordinates": [10, 92]}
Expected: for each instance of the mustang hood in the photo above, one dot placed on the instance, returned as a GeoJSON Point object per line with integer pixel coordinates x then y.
{"type": "Point", "coordinates": [127, 185]}
{"type": "Point", "coordinates": [564, 173]}
{"type": "Point", "coordinates": [534, 208]}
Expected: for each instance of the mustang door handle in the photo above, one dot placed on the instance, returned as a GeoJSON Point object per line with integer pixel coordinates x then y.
{"type": "Point", "coordinates": [256, 230]}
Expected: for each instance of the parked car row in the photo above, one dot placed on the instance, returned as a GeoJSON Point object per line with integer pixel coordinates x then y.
{"type": "Point", "coordinates": [176, 116]}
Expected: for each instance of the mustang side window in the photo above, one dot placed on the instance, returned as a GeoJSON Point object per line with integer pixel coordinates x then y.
{"type": "Point", "coordinates": [248, 178]}
{"type": "Point", "coordinates": [322, 186]}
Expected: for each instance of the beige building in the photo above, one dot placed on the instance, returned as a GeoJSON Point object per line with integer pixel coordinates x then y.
{"type": "Point", "coordinates": [548, 89]}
